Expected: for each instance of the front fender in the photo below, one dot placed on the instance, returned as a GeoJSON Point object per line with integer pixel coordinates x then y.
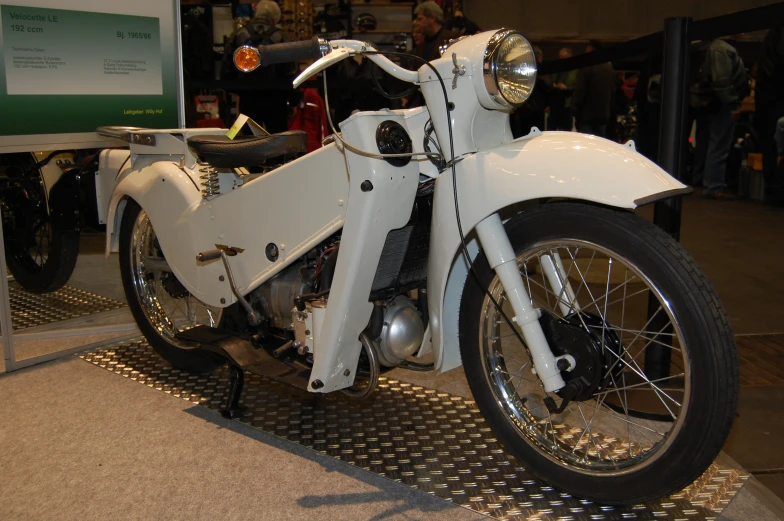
{"type": "Point", "coordinates": [541, 165]}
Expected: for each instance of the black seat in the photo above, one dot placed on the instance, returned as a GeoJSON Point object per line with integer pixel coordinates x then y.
{"type": "Point", "coordinates": [222, 152]}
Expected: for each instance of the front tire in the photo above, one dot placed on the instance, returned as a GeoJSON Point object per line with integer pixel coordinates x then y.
{"type": "Point", "coordinates": [635, 290]}
{"type": "Point", "coordinates": [160, 304]}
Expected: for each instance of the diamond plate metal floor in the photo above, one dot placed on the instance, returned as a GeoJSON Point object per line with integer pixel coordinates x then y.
{"type": "Point", "coordinates": [31, 309]}
{"type": "Point", "coordinates": [433, 441]}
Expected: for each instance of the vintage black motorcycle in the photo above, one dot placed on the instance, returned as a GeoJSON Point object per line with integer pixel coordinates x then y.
{"type": "Point", "coordinates": [46, 198]}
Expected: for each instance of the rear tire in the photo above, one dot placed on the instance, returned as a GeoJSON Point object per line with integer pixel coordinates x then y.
{"type": "Point", "coordinates": [161, 306]}
{"type": "Point", "coordinates": [563, 449]}
{"type": "Point", "coordinates": [40, 257]}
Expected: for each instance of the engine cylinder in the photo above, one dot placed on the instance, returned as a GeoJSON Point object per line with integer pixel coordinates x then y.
{"type": "Point", "coordinates": [402, 333]}
{"type": "Point", "coordinates": [277, 295]}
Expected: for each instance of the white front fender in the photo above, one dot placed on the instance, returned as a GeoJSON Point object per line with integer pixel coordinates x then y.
{"type": "Point", "coordinates": [541, 165]}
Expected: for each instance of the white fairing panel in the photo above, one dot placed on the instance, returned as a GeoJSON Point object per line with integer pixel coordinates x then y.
{"type": "Point", "coordinates": [541, 165]}
{"type": "Point", "coordinates": [294, 207]}
{"type": "Point", "coordinates": [381, 198]}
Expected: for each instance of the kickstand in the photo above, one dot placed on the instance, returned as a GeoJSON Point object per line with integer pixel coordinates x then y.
{"type": "Point", "coordinates": [233, 408]}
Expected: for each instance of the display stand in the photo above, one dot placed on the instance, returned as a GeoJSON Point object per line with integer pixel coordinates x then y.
{"type": "Point", "coordinates": [53, 330]}
{"type": "Point", "coordinates": [134, 48]}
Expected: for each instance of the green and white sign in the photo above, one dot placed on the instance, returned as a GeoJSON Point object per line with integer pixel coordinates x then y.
{"type": "Point", "coordinates": [69, 71]}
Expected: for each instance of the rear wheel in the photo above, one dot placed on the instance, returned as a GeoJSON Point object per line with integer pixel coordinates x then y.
{"type": "Point", "coordinates": [654, 353]}
{"type": "Point", "coordinates": [39, 256]}
{"type": "Point", "coordinates": [160, 304]}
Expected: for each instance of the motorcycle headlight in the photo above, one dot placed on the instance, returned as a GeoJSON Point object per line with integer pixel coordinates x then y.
{"type": "Point", "coordinates": [509, 68]}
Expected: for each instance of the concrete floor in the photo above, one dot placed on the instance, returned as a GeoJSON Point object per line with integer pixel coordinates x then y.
{"type": "Point", "coordinates": [738, 244]}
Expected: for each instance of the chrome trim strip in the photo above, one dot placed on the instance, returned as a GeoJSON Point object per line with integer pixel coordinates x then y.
{"type": "Point", "coordinates": [675, 192]}
{"type": "Point", "coordinates": [444, 46]}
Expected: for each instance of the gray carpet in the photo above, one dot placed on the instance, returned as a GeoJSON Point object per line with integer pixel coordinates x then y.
{"type": "Point", "coordinates": [77, 442]}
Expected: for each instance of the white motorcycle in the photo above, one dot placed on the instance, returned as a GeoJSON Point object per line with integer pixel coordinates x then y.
{"type": "Point", "coordinates": [428, 238]}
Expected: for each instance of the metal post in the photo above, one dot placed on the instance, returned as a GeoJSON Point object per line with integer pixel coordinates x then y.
{"type": "Point", "coordinates": [6, 327]}
{"type": "Point", "coordinates": [673, 136]}
{"type": "Point", "coordinates": [674, 130]}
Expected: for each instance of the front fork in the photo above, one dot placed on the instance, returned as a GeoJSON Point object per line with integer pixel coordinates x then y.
{"type": "Point", "coordinates": [503, 260]}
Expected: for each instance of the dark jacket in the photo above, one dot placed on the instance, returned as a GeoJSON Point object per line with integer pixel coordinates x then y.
{"type": "Point", "coordinates": [429, 48]}
{"type": "Point", "coordinates": [720, 76]}
{"type": "Point", "coordinates": [594, 94]}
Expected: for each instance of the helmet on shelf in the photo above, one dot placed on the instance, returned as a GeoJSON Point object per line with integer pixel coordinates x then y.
{"type": "Point", "coordinates": [365, 22]}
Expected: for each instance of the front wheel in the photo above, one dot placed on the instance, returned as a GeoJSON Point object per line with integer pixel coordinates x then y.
{"type": "Point", "coordinates": [653, 351]}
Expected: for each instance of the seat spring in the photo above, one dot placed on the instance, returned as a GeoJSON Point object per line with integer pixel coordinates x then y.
{"type": "Point", "coordinates": [210, 182]}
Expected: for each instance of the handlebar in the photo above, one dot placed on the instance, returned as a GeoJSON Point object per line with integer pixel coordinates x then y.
{"type": "Point", "coordinates": [291, 51]}
{"type": "Point", "coordinates": [337, 50]}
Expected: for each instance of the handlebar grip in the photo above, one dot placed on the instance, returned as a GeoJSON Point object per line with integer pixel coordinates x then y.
{"type": "Point", "coordinates": [290, 52]}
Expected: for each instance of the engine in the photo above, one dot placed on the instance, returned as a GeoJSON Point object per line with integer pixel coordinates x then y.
{"type": "Point", "coordinates": [396, 326]}
{"type": "Point", "coordinates": [295, 301]}
{"type": "Point", "coordinates": [276, 296]}
{"type": "Point", "coordinates": [402, 332]}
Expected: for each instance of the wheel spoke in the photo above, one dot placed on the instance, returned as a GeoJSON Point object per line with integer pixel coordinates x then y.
{"type": "Point", "coordinates": [167, 313]}
{"type": "Point", "coordinates": [641, 384]}
{"type": "Point", "coordinates": [607, 289]}
{"type": "Point", "coordinates": [528, 282]}
{"type": "Point", "coordinates": [616, 288]}
{"type": "Point", "coordinates": [651, 340]}
{"type": "Point", "coordinates": [659, 393]}
{"type": "Point", "coordinates": [563, 294]}
{"type": "Point", "coordinates": [639, 331]}
{"type": "Point", "coordinates": [614, 364]}
{"type": "Point", "coordinates": [563, 284]}
{"type": "Point", "coordinates": [585, 283]}
{"type": "Point", "coordinates": [546, 291]}
{"type": "Point", "coordinates": [590, 433]}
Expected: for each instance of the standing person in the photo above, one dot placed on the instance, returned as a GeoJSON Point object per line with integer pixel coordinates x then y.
{"type": "Point", "coordinates": [594, 94]}
{"type": "Point", "coordinates": [561, 98]}
{"type": "Point", "coordinates": [430, 21]}
{"type": "Point", "coordinates": [769, 108]}
{"type": "Point", "coordinates": [417, 36]}
{"type": "Point", "coordinates": [719, 85]}
{"type": "Point", "coordinates": [267, 106]}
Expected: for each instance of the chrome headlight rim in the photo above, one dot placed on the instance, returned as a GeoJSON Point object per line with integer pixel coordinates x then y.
{"type": "Point", "coordinates": [489, 67]}
{"type": "Point", "coordinates": [444, 46]}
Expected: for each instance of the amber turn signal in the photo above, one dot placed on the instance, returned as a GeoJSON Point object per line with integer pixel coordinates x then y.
{"type": "Point", "coordinates": [246, 58]}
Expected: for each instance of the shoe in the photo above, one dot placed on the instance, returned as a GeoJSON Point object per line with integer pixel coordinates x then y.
{"type": "Point", "coordinates": [720, 196]}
